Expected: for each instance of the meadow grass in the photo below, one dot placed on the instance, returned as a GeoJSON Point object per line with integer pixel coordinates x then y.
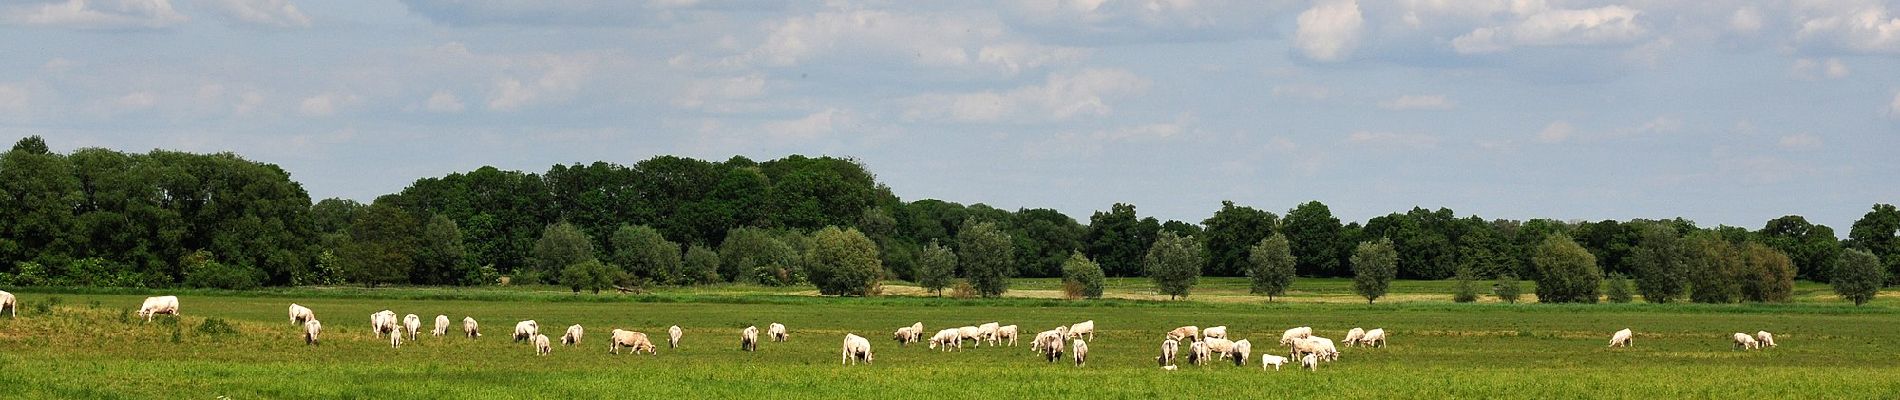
{"type": "Point", "coordinates": [89, 346]}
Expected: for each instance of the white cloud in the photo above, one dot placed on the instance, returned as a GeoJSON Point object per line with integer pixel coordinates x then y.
{"type": "Point", "coordinates": [1745, 20]}
{"type": "Point", "coordinates": [1329, 31]}
{"type": "Point", "coordinates": [1393, 140]}
{"type": "Point", "coordinates": [277, 13]}
{"type": "Point", "coordinates": [1868, 29]}
{"type": "Point", "coordinates": [96, 14]}
{"type": "Point", "coordinates": [930, 40]}
{"type": "Point", "coordinates": [326, 104]}
{"type": "Point", "coordinates": [1303, 91]}
{"type": "Point", "coordinates": [816, 125]}
{"type": "Point", "coordinates": [139, 100]}
{"type": "Point", "coordinates": [699, 93]}
{"type": "Point", "coordinates": [1800, 141]}
{"type": "Point", "coordinates": [1556, 132]}
{"type": "Point", "coordinates": [13, 99]}
{"type": "Point", "coordinates": [1062, 96]}
{"type": "Point", "coordinates": [1811, 69]}
{"type": "Point", "coordinates": [558, 78]}
{"type": "Point", "coordinates": [1556, 27]}
{"type": "Point", "coordinates": [1013, 58]}
{"type": "Point", "coordinates": [1419, 102]}
{"type": "Point", "coordinates": [1088, 143]}
{"type": "Point", "coordinates": [444, 102]}
{"type": "Point", "coordinates": [1893, 110]}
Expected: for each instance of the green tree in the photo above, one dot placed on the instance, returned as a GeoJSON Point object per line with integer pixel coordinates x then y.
{"type": "Point", "coordinates": [1271, 266]}
{"type": "Point", "coordinates": [1044, 240]}
{"type": "Point", "coordinates": [702, 265]}
{"type": "Point", "coordinates": [1466, 288]}
{"type": "Point", "coordinates": [1768, 274]}
{"type": "Point", "coordinates": [1660, 262]}
{"type": "Point", "coordinates": [1714, 269]}
{"type": "Point", "coordinates": [561, 245]}
{"type": "Point", "coordinates": [382, 245]}
{"type": "Point", "coordinates": [1083, 274]}
{"type": "Point", "coordinates": [204, 271]}
{"type": "Point", "coordinates": [1118, 239]}
{"type": "Point", "coordinates": [1174, 263]}
{"type": "Point", "coordinates": [647, 255]}
{"type": "Point", "coordinates": [987, 256]}
{"type": "Point", "coordinates": [1374, 264]}
{"type": "Point", "coordinates": [1618, 290]}
{"type": "Point", "coordinates": [439, 258]}
{"type": "Point", "coordinates": [1507, 288]}
{"type": "Point", "coordinates": [38, 194]}
{"type": "Point", "coordinates": [1566, 272]}
{"type": "Point", "coordinates": [1230, 232]}
{"type": "Point", "coordinates": [591, 275]}
{"type": "Point", "coordinates": [1314, 235]}
{"type": "Point", "coordinates": [1878, 233]}
{"type": "Point", "coordinates": [1812, 247]}
{"type": "Point", "coordinates": [334, 215]}
{"type": "Point", "coordinates": [1858, 276]}
{"type": "Point", "coordinates": [844, 262]}
{"type": "Point", "coordinates": [936, 266]}
{"type": "Point", "coordinates": [750, 253]}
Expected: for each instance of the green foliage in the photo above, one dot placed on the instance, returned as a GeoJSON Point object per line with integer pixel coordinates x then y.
{"type": "Point", "coordinates": [1858, 276]}
{"type": "Point", "coordinates": [702, 265]}
{"type": "Point", "coordinates": [1174, 263]}
{"type": "Point", "coordinates": [591, 275]}
{"type": "Point", "coordinates": [1714, 269]}
{"type": "Point", "coordinates": [1812, 247]}
{"type": "Point", "coordinates": [381, 246]}
{"type": "Point", "coordinates": [1618, 289]}
{"type": "Point", "coordinates": [1566, 272]}
{"type": "Point", "coordinates": [1767, 274]}
{"type": "Point", "coordinates": [1270, 266]}
{"type": "Point", "coordinates": [1118, 239]}
{"type": "Point", "coordinates": [1426, 241]}
{"type": "Point", "coordinates": [440, 258]}
{"type": "Point", "coordinates": [936, 267]}
{"type": "Point", "coordinates": [1878, 233]}
{"type": "Point", "coordinates": [563, 244]}
{"type": "Point", "coordinates": [647, 255]}
{"type": "Point", "coordinates": [1085, 276]}
{"type": "Point", "coordinates": [215, 327]}
{"type": "Point", "coordinates": [1374, 265]}
{"type": "Point", "coordinates": [1466, 290]}
{"type": "Point", "coordinates": [204, 271]}
{"type": "Point", "coordinates": [1314, 235]}
{"type": "Point", "coordinates": [987, 256]}
{"type": "Point", "coordinates": [1661, 263]}
{"type": "Point", "coordinates": [756, 255]}
{"type": "Point", "coordinates": [1507, 288]}
{"type": "Point", "coordinates": [1044, 240]}
{"type": "Point", "coordinates": [1230, 233]}
{"type": "Point", "coordinates": [844, 262]}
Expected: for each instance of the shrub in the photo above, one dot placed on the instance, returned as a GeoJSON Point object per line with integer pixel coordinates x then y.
{"type": "Point", "coordinates": [844, 262]}
{"type": "Point", "coordinates": [589, 275]}
{"type": "Point", "coordinates": [1619, 289]}
{"type": "Point", "coordinates": [963, 290]}
{"type": "Point", "coordinates": [1857, 276]}
{"type": "Point", "coordinates": [1466, 290]}
{"type": "Point", "coordinates": [204, 271]}
{"type": "Point", "coordinates": [1566, 272]}
{"type": "Point", "coordinates": [1081, 277]}
{"type": "Point", "coordinates": [215, 327]}
{"type": "Point", "coordinates": [1507, 288]}
{"type": "Point", "coordinates": [1174, 262]}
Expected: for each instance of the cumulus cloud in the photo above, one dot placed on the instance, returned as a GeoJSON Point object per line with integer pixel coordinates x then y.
{"type": "Point", "coordinates": [13, 99]}
{"type": "Point", "coordinates": [326, 104]}
{"type": "Point", "coordinates": [96, 14]}
{"type": "Point", "coordinates": [1745, 20]}
{"type": "Point", "coordinates": [1062, 96]}
{"type": "Point", "coordinates": [816, 125]}
{"type": "Point", "coordinates": [274, 13]}
{"type": "Point", "coordinates": [1869, 29]}
{"type": "Point", "coordinates": [1556, 132]}
{"type": "Point", "coordinates": [443, 102]}
{"type": "Point", "coordinates": [1302, 91]}
{"type": "Point", "coordinates": [1329, 31]}
{"type": "Point", "coordinates": [555, 12]}
{"type": "Point", "coordinates": [1090, 142]}
{"type": "Point", "coordinates": [553, 78]}
{"type": "Point", "coordinates": [699, 93]}
{"type": "Point", "coordinates": [1393, 140]}
{"type": "Point", "coordinates": [1811, 69]}
{"type": "Point", "coordinates": [932, 40]}
{"type": "Point", "coordinates": [1801, 141]}
{"type": "Point", "coordinates": [134, 101]}
{"type": "Point", "coordinates": [1112, 22]}
{"type": "Point", "coordinates": [1556, 27]}
{"type": "Point", "coordinates": [1893, 109]}
{"type": "Point", "coordinates": [1419, 102]}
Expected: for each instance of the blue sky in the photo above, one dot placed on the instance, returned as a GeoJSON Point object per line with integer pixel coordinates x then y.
{"type": "Point", "coordinates": [1724, 112]}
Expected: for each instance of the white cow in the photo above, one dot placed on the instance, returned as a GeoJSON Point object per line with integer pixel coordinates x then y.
{"type": "Point", "coordinates": [1190, 333]}
{"type": "Point", "coordinates": [1218, 346]}
{"type": "Point", "coordinates": [777, 332]}
{"type": "Point", "coordinates": [1766, 339]}
{"type": "Point", "coordinates": [1322, 347]}
{"type": "Point", "coordinates": [1083, 328]}
{"type": "Point", "coordinates": [1745, 342]}
{"type": "Point", "coordinates": [1271, 360]}
{"type": "Point", "coordinates": [1622, 338]}
{"type": "Point", "coordinates": [904, 335]}
{"type": "Point", "coordinates": [948, 339]}
{"type": "Point", "coordinates": [1197, 353]}
{"type": "Point", "coordinates": [1353, 336]}
{"type": "Point", "coordinates": [1373, 338]}
{"type": "Point", "coordinates": [1218, 332]}
{"type": "Point", "coordinates": [9, 304]}
{"type": "Point", "coordinates": [970, 333]}
{"type": "Point", "coordinates": [156, 305]}
{"type": "Point", "coordinates": [749, 339]}
{"type": "Point", "coordinates": [1291, 335]}
{"type": "Point", "coordinates": [299, 314]}
{"type": "Point", "coordinates": [1240, 352]}
{"type": "Point", "coordinates": [573, 335]}
{"type": "Point", "coordinates": [1052, 347]}
{"type": "Point", "coordinates": [1007, 334]}
{"type": "Point", "coordinates": [310, 330]}
{"type": "Point", "coordinates": [855, 350]}
{"type": "Point", "coordinates": [395, 339]}
{"type": "Point", "coordinates": [1168, 348]}
{"type": "Point", "coordinates": [636, 341]}
{"type": "Point", "coordinates": [1081, 352]}
{"type": "Point", "coordinates": [412, 323]}
{"type": "Point", "coordinates": [541, 347]}
{"type": "Point", "coordinates": [383, 323]}
{"type": "Point", "coordinates": [673, 336]}
{"type": "Point", "coordinates": [987, 331]}
{"type": "Point", "coordinates": [1310, 362]}
{"type": "Point", "coordinates": [526, 330]}
{"type": "Point", "coordinates": [470, 328]}
{"type": "Point", "coordinates": [441, 326]}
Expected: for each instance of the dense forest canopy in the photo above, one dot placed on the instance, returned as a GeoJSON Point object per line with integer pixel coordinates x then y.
{"type": "Point", "coordinates": [99, 217]}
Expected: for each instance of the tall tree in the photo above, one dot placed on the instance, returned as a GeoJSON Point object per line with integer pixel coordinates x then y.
{"type": "Point", "coordinates": [987, 256]}
{"type": "Point", "coordinates": [1174, 263]}
{"type": "Point", "coordinates": [1768, 274]}
{"type": "Point", "coordinates": [1118, 239]}
{"type": "Point", "coordinates": [382, 245]}
{"type": "Point", "coordinates": [844, 262]}
{"type": "Point", "coordinates": [1566, 272]}
{"type": "Point", "coordinates": [439, 258]}
{"type": "Point", "coordinates": [1714, 269]}
{"type": "Point", "coordinates": [936, 266]}
{"type": "Point", "coordinates": [1271, 266]}
{"type": "Point", "coordinates": [1660, 262]}
{"type": "Point", "coordinates": [38, 194]}
{"type": "Point", "coordinates": [1812, 247]}
{"type": "Point", "coordinates": [561, 245]}
{"type": "Point", "coordinates": [1374, 264]}
{"type": "Point", "coordinates": [1878, 233]}
{"type": "Point", "coordinates": [1083, 274]}
{"type": "Point", "coordinates": [1044, 240]}
{"type": "Point", "coordinates": [1314, 235]}
{"type": "Point", "coordinates": [647, 255]}
{"type": "Point", "coordinates": [1230, 233]}
{"type": "Point", "coordinates": [1858, 276]}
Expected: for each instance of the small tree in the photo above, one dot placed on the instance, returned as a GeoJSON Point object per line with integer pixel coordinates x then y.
{"type": "Point", "coordinates": [591, 275]}
{"type": "Point", "coordinates": [1768, 274]}
{"type": "Point", "coordinates": [1270, 264]}
{"type": "Point", "coordinates": [1714, 268]}
{"type": "Point", "coordinates": [1084, 274]}
{"type": "Point", "coordinates": [936, 267]}
{"type": "Point", "coordinates": [1619, 289]}
{"type": "Point", "coordinates": [1507, 288]}
{"type": "Point", "coordinates": [561, 245]}
{"type": "Point", "coordinates": [1466, 289]}
{"type": "Point", "coordinates": [1566, 272]}
{"type": "Point", "coordinates": [702, 265]}
{"type": "Point", "coordinates": [1374, 264]}
{"type": "Point", "coordinates": [844, 262]}
{"type": "Point", "coordinates": [988, 257]}
{"type": "Point", "coordinates": [1174, 263]}
{"type": "Point", "coordinates": [646, 254]}
{"type": "Point", "coordinates": [1660, 263]}
{"type": "Point", "coordinates": [1857, 276]}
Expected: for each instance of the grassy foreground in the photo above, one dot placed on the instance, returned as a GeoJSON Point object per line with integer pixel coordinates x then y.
{"type": "Point", "coordinates": [87, 347]}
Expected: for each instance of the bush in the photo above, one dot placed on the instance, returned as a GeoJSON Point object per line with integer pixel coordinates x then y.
{"type": "Point", "coordinates": [1769, 274]}
{"type": "Point", "coordinates": [1081, 277]}
{"type": "Point", "coordinates": [1466, 290]}
{"type": "Point", "coordinates": [1619, 289]}
{"type": "Point", "coordinates": [844, 262]}
{"type": "Point", "coordinates": [701, 265]}
{"type": "Point", "coordinates": [202, 270]}
{"type": "Point", "coordinates": [591, 275]}
{"type": "Point", "coordinates": [1507, 289]}
{"type": "Point", "coordinates": [963, 290]}
{"type": "Point", "coordinates": [215, 327]}
{"type": "Point", "coordinates": [1566, 272]}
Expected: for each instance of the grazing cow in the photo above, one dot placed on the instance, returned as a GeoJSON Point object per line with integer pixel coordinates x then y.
{"type": "Point", "coordinates": [1622, 338]}
{"type": "Point", "coordinates": [947, 338]}
{"type": "Point", "coordinates": [1083, 328]}
{"type": "Point", "coordinates": [395, 339]}
{"type": "Point", "coordinates": [1197, 353]}
{"type": "Point", "coordinates": [970, 333]}
{"type": "Point", "coordinates": [749, 339]}
{"type": "Point", "coordinates": [1320, 346]}
{"type": "Point", "coordinates": [777, 332]}
{"type": "Point", "coordinates": [470, 328]}
{"type": "Point", "coordinates": [904, 335]}
{"type": "Point", "coordinates": [673, 337]}
{"type": "Point", "coordinates": [1745, 342]}
{"type": "Point", "coordinates": [9, 304]}
{"type": "Point", "coordinates": [635, 341]}
{"type": "Point", "coordinates": [1190, 333]}
{"type": "Point", "coordinates": [441, 326]}
{"type": "Point", "coordinates": [1240, 351]}
{"type": "Point", "coordinates": [412, 323]}
{"type": "Point", "coordinates": [1218, 332]}
{"type": "Point", "coordinates": [153, 306]}
{"type": "Point", "coordinates": [1007, 333]}
{"type": "Point", "coordinates": [1310, 362]}
{"type": "Point", "coordinates": [855, 350]}
{"type": "Point", "coordinates": [1373, 338]}
{"type": "Point", "coordinates": [310, 330]}
{"type": "Point", "coordinates": [1081, 352]}
{"type": "Point", "coordinates": [1168, 349]}
{"type": "Point", "coordinates": [987, 332]}
{"type": "Point", "coordinates": [573, 335]}
{"type": "Point", "coordinates": [526, 330]}
{"type": "Point", "coordinates": [383, 323]}
{"type": "Point", "coordinates": [541, 347]}
{"type": "Point", "coordinates": [1052, 347]}
{"type": "Point", "coordinates": [1271, 360]}
{"type": "Point", "coordinates": [1766, 339]}
{"type": "Point", "coordinates": [299, 314]}
{"type": "Point", "coordinates": [1220, 347]}
{"type": "Point", "coordinates": [1353, 336]}
{"type": "Point", "coordinates": [1295, 334]}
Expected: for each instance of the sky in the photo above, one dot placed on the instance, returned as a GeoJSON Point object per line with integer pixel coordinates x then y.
{"type": "Point", "coordinates": [1723, 112]}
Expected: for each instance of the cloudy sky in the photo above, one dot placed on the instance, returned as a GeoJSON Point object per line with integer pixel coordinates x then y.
{"type": "Point", "coordinates": [1725, 112]}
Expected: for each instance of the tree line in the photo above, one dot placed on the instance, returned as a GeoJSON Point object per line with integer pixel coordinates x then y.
{"type": "Point", "coordinates": [98, 217]}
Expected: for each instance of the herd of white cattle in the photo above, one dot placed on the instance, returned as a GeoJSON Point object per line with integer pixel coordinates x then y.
{"type": "Point", "coordinates": [1204, 345]}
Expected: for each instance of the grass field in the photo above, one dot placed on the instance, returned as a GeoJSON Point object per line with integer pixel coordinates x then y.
{"type": "Point", "coordinates": [87, 346]}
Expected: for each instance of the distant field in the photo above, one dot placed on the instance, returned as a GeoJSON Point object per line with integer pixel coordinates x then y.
{"type": "Point", "coordinates": [81, 348]}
